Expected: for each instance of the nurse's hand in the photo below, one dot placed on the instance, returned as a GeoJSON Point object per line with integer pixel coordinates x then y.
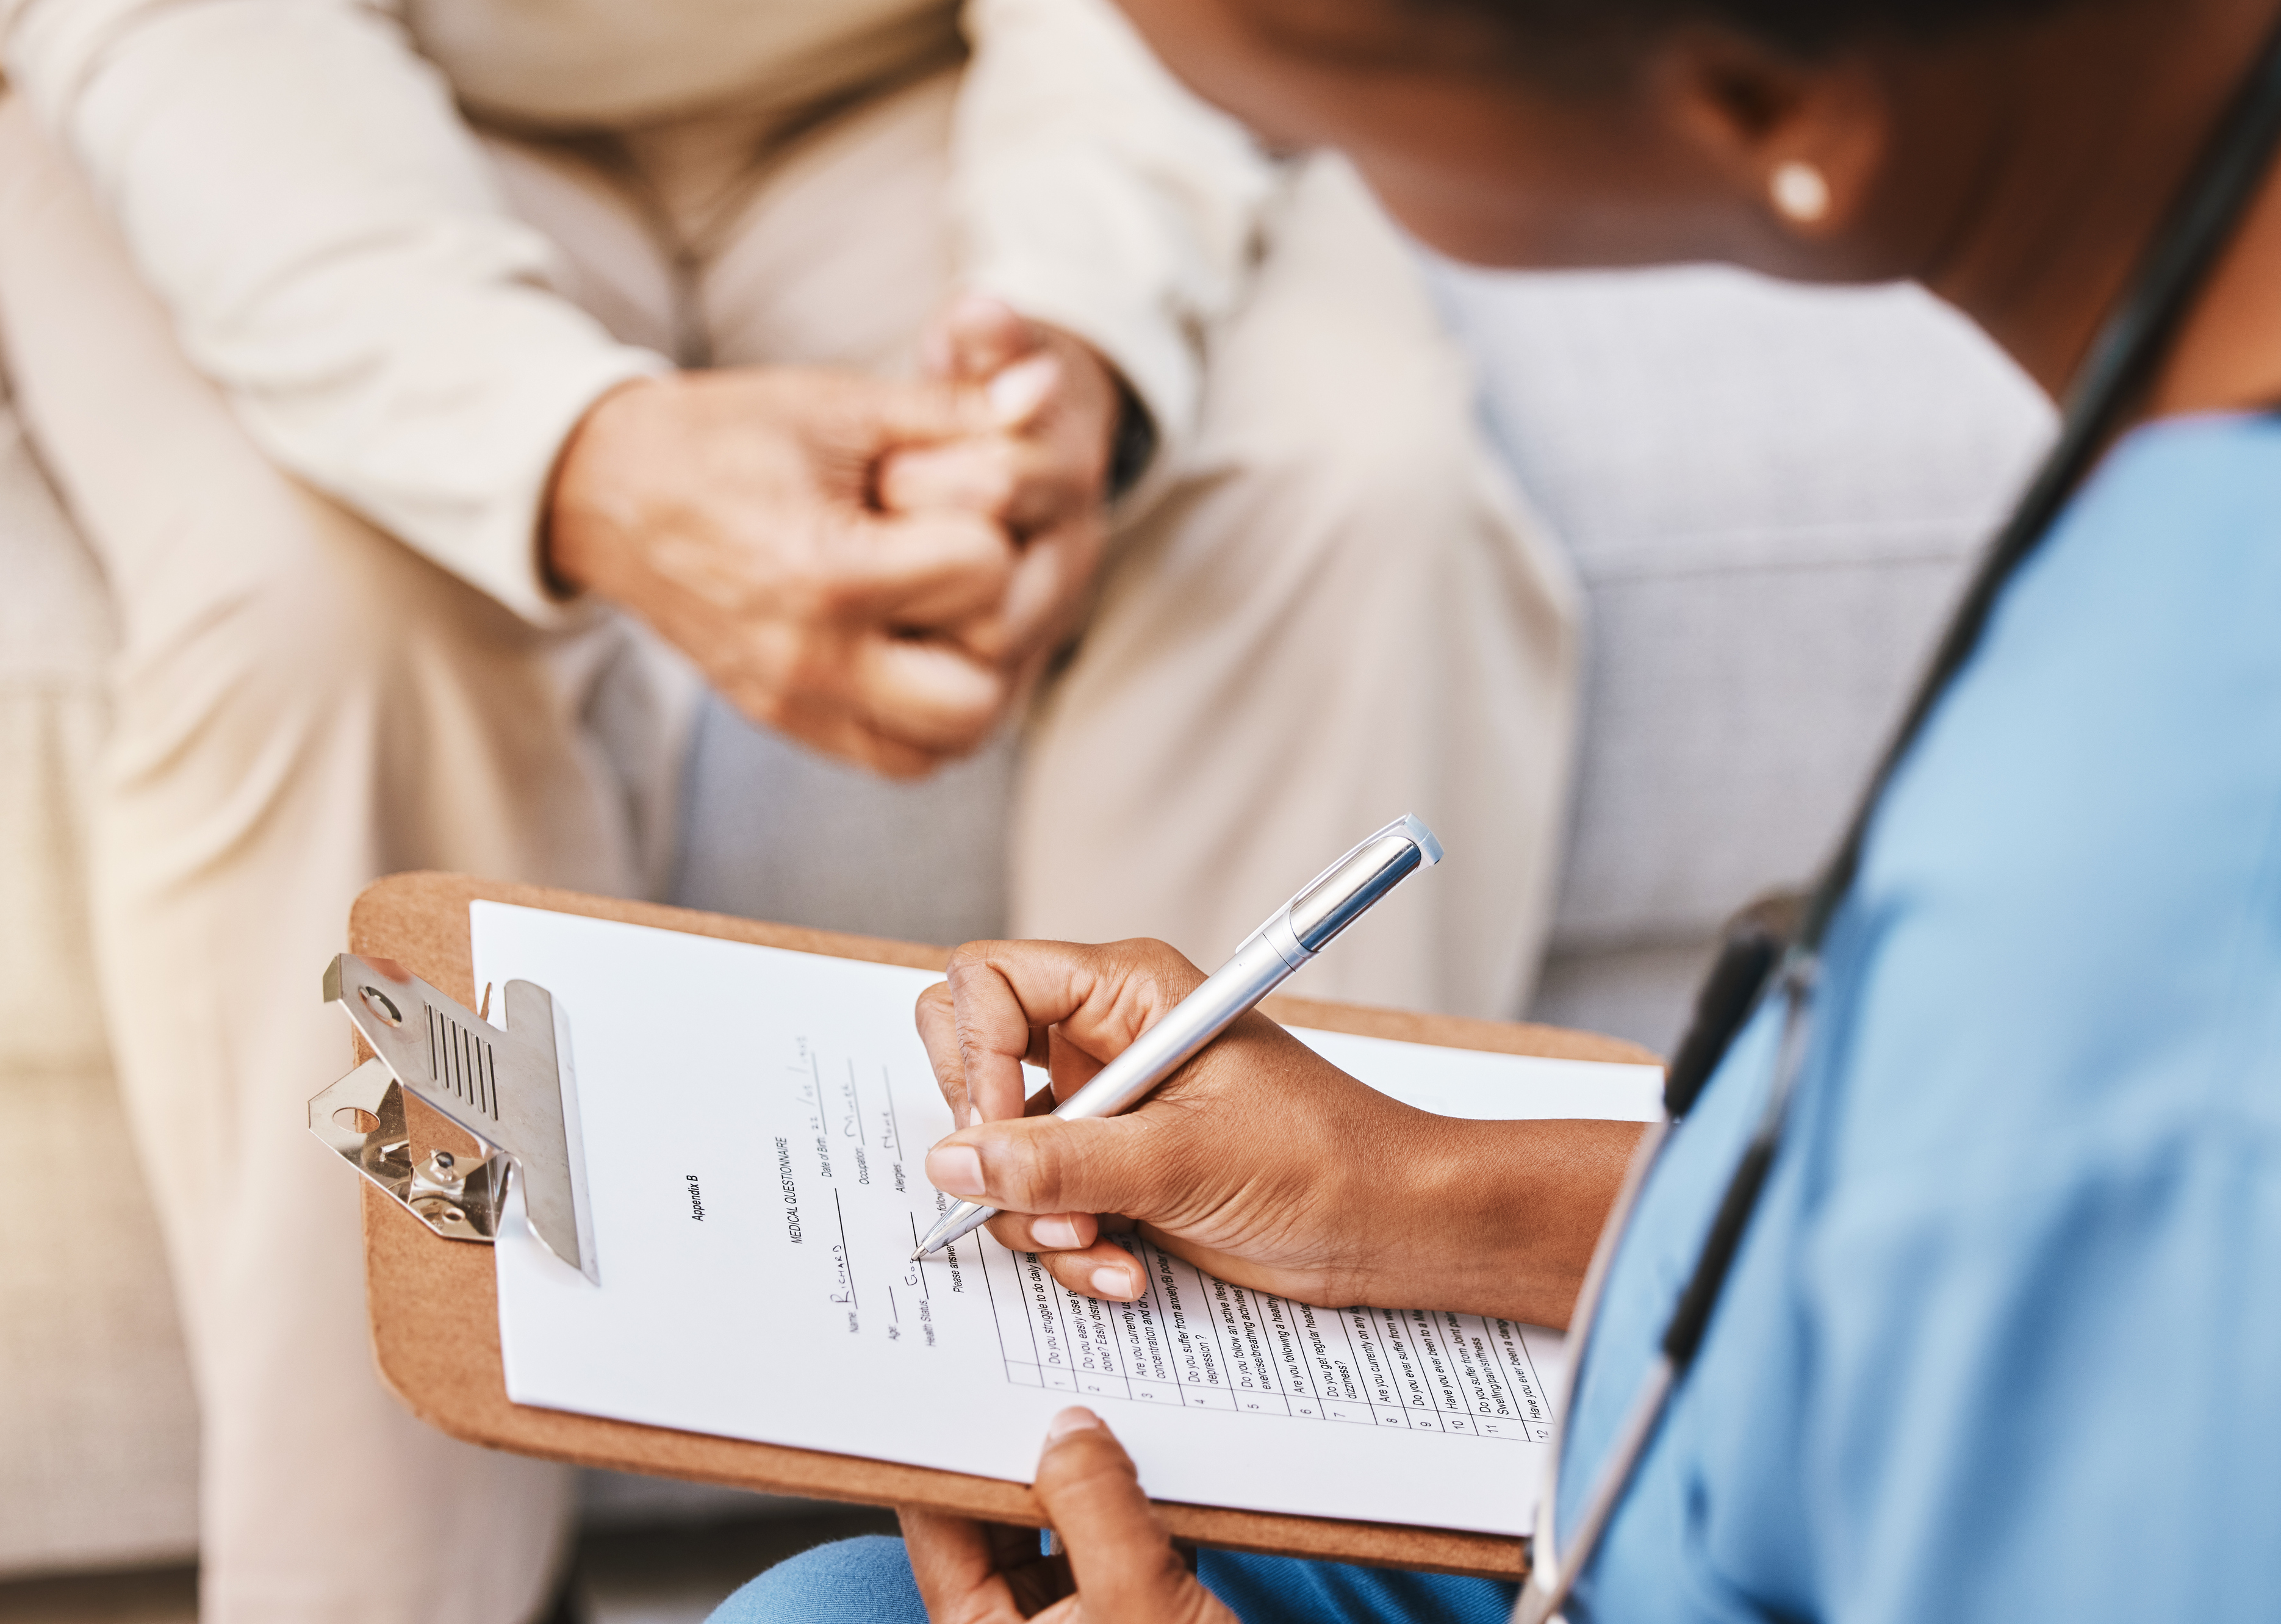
{"type": "Point", "coordinates": [1119, 1565]}
{"type": "Point", "coordinates": [1259, 1161]}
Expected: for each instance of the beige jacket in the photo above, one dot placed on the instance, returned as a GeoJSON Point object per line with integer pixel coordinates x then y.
{"type": "Point", "coordinates": [298, 181]}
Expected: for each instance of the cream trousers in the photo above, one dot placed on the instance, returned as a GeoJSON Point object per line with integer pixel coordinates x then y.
{"type": "Point", "coordinates": [1334, 611]}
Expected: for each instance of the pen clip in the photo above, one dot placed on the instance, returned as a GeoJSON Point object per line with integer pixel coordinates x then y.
{"type": "Point", "coordinates": [1409, 825]}
{"type": "Point", "coordinates": [1312, 929]}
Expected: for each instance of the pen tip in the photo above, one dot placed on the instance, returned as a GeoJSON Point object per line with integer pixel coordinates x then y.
{"type": "Point", "coordinates": [917, 1252]}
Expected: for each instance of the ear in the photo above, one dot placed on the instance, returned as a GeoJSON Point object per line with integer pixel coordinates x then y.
{"type": "Point", "coordinates": [1805, 140]}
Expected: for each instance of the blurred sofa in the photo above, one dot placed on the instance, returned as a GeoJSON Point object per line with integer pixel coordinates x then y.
{"type": "Point", "coordinates": [1769, 495]}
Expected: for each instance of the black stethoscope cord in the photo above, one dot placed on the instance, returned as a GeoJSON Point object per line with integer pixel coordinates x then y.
{"type": "Point", "coordinates": [1767, 951]}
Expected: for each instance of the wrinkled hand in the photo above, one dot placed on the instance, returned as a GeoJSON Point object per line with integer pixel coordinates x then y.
{"type": "Point", "coordinates": [1119, 1567]}
{"type": "Point", "coordinates": [1043, 473]}
{"type": "Point", "coordinates": [737, 513]}
{"type": "Point", "coordinates": [1258, 1161]}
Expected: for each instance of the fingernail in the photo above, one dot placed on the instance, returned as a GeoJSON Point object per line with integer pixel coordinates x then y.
{"type": "Point", "coordinates": [1112, 1282]}
{"type": "Point", "coordinates": [1060, 1233]}
{"type": "Point", "coordinates": [1075, 1419]}
{"type": "Point", "coordinates": [955, 1169]}
{"type": "Point", "coordinates": [1022, 388]}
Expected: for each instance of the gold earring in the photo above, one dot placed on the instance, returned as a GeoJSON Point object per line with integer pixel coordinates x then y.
{"type": "Point", "coordinates": [1800, 190]}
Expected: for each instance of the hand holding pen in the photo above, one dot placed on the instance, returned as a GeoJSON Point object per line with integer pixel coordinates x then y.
{"type": "Point", "coordinates": [1290, 939]}
{"type": "Point", "coordinates": [1258, 1160]}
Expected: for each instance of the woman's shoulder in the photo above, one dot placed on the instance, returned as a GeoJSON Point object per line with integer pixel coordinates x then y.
{"type": "Point", "coordinates": [2183, 499]}
{"type": "Point", "coordinates": [2069, 909]}
{"type": "Point", "coordinates": [2108, 762]}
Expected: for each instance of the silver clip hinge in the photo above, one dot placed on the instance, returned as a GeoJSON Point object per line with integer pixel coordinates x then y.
{"type": "Point", "coordinates": [510, 1089]}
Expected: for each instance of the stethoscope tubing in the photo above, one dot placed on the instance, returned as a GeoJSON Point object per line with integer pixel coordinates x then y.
{"type": "Point", "coordinates": [1553, 1574]}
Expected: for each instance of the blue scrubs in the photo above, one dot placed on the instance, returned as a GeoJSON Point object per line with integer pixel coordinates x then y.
{"type": "Point", "coordinates": [2004, 1340]}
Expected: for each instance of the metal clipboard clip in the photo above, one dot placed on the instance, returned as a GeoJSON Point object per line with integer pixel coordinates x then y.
{"type": "Point", "coordinates": [510, 1090]}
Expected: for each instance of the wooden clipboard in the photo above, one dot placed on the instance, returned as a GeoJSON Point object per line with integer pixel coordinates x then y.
{"type": "Point", "coordinates": [433, 1302]}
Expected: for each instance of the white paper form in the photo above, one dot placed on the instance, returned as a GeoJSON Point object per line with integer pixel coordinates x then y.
{"type": "Point", "coordinates": [755, 1124]}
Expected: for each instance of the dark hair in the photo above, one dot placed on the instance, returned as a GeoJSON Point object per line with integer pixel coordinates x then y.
{"type": "Point", "coordinates": [1809, 27]}
{"type": "Point", "coordinates": [1577, 43]}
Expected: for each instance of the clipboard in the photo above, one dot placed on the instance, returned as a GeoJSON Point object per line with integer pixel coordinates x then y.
{"type": "Point", "coordinates": [434, 1302]}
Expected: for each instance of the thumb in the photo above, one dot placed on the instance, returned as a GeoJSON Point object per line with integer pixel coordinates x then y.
{"type": "Point", "coordinates": [1126, 1569]}
{"type": "Point", "coordinates": [974, 336]}
{"type": "Point", "coordinates": [928, 412]}
{"type": "Point", "coordinates": [1051, 1165]}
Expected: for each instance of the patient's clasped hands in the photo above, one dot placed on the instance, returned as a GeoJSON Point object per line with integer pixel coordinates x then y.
{"type": "Point", "coordinates": [879, 568]}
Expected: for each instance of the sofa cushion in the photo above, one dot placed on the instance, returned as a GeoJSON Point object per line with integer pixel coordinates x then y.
{"type": "Point", "coordinates": [1771, 494]}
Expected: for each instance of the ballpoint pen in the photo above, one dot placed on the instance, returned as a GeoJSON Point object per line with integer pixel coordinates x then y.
{"type": "Point", "coordinates": [1293, 935]}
